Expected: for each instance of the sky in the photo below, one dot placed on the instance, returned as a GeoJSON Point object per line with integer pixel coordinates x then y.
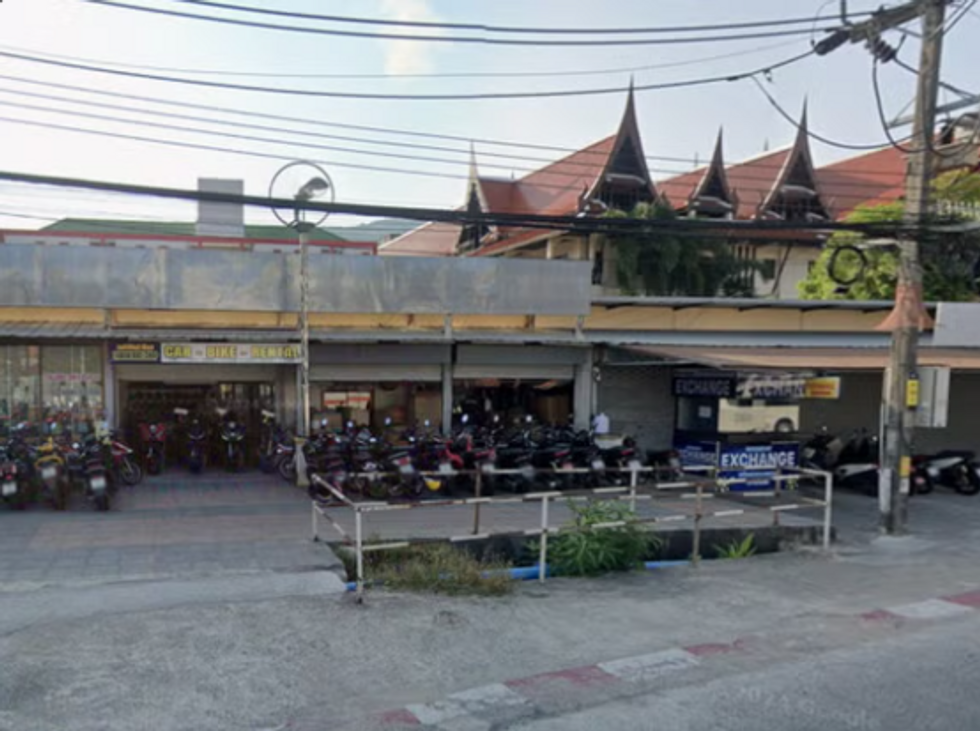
{"type": "Point", "coordinates": [676, 123]}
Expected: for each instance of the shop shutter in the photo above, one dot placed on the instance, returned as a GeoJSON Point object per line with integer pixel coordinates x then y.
{"type": "Point", "coordinates": [639, 403]}
{"type": "Point", "coordinates": [542, 372]}
{"type": "Point", "coordinates": [414, 373]}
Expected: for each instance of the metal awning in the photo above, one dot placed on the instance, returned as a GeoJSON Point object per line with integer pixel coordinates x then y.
{"type": "Point", "coordinates": [52, 330]}
{"type": "Point", "coordinates": [806, 359]}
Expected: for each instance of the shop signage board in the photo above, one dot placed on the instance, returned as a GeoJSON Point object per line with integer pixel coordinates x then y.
{"type": "Point", "coordinates": [710, 384]}
{"type": "Point", "coordinates": [826, 387]}
{"type": "Point", "coordinates": [752, 465]}
{"type": "Point", "coordinates": [229, 353]}
{"type": "Point", "coordinates": [134, 353]}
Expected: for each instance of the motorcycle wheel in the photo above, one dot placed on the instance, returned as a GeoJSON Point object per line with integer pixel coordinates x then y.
{"type": "Point", "coordinates": [967, 482]}
{"type": "Point", "coordinates": [101, 502]}
{"type": "Point", "coordinates": [488, 486]}
{"type": "Point", "coordinates": [287, 469]}
{"type": "Point", "coordinates": [59, 501]}
{"type": "Point", "coordinates": [922, 484]}
{"type": "Point", "coordinates": [130, 472]}
{"type": "Point", "coordinates": [413, 486]}
{"type": "Point", "coordinates": [19, 501]}
{"type": "Point", "coordinates": [153, 465]}
{"type": "Point", "coordinates": [376, 489]}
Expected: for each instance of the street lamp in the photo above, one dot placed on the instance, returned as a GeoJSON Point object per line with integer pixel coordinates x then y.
{"type": "Point", "coordinates": [318, 185]}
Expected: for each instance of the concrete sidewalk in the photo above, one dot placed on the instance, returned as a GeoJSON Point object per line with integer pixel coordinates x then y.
{"type": "Point", "coordinates": [170, 526]}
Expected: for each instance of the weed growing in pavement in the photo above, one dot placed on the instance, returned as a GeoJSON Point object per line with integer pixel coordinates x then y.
{"type": "Point", "coordinates": [432, 568]}
{"type": "Point", "coordinates": [587, 550]}
{"type": "Point", "coordinates": [738, 549]}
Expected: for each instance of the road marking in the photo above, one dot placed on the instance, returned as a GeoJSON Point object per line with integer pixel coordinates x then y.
{"type": "Point", "coordinates": [645, 667]}
{"type": "Point", "coordinates": [472, 702]}
{"type": "Point", "coordinates": [930, 609]}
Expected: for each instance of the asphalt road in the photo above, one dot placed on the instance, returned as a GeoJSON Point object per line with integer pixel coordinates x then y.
{"type": "Point", "coordinates": [926, 681]}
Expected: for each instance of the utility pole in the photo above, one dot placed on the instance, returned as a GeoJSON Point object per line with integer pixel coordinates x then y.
{"type": "Point", "coordinates": [908, 314]}
{"type": "Point", "coordinates": [906, 319]}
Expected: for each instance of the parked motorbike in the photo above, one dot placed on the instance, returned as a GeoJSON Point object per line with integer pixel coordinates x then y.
{"type": "Point", "coordinates": [154, 438]}
{"type": "Point", "coordinates": [95, 482]}
{"type": "Point", "coordinates": [949, 468]}
{"type": "Point", "coordinates": [13, 479]}
{"type": "Point", "coordinates": [854, 463]}
{"type": "Point", "coordinates": [233, 437]}
{"type": "Point", "coordinates": [50, 474]}
{"type": "Point", "coordinates": [197, 437]}
{"type": "Point", "coordinates": [121, 462]}
{"type": "Point", "coordinates": [270, 437]}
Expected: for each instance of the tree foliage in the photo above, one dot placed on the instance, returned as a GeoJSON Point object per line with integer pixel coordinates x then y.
{"type": "Point", "coordinates": [949, 261]}
{"type": "Point", "coordinates": [660, 264]}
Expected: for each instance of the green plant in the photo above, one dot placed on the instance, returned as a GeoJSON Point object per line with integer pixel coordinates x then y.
{"type": "Point", "coordinates": [738, 549]}
{"type": "Point", "coordinates": [432, 567]}
{"type": "Point", "coordinates": [586, 550]}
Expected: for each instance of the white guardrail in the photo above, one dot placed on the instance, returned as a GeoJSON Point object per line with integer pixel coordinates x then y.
{"type": "Point", "coordinates": [705, 489]}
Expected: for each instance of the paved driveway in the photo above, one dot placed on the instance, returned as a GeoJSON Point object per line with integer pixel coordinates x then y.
{"type": "Point", "coordinates": [169, 526]}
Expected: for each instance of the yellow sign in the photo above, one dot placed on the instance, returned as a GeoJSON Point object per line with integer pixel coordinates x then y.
{"type": "Point", "coordinates": [822, 388]}
{"type": "Point", "coordinates": [912, 393]}
{"type": "Point", "coordinates": [905, 467]}
{"type": "Point", "coordinates": [229, 353]}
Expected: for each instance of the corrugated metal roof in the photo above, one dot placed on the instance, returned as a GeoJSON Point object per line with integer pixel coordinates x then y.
{"type": "Point", "coordinates": [804, 358]}
{"type": "Point", "coordinates": [166, 334]}
{"type": "Point", "coordinates": [47, 330]}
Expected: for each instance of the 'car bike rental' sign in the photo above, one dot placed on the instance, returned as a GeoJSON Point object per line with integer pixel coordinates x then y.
{"type": "Point", "coordinates": [249, 353]}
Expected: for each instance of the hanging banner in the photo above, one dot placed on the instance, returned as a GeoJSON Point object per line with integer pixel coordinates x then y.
{"type": "Point", "coordinates": [712, 384]}
{"type": "Point", "coordinates": [751, 466]}
{"type": "Point", "coordinates": [243, 354]}
{"type": "Point", "coordinates": [771, 387]}
{"type": "Point", "coordinates": [134, 353]}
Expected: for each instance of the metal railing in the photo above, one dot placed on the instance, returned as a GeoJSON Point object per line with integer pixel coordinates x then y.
{"type": "Point", "coordinates": [700, 490]}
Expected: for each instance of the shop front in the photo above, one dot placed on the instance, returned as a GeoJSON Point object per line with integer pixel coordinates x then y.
{"type": "Point", "coordinates": [745, 424]}
{"type": "Point", "coordinates": [549, 383]}
{"type": "Point", "coordinates": [371, 383]}
{"type": "Point", "coordinates": [156, 380]}
{"type": "Point", "coordinates": [55, 388]}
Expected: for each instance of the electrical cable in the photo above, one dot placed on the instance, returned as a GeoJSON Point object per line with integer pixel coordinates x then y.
{"type": "Point", "coordinates": [880, 106]}
{"type": "Point", "coordinates": [536, 42]}
{"type": "Point", "coordinates": [587, 167]}
{"type": "Point", "coordinates": [486, 28]}
{"type": "Point", "coordinates": [675, 225]}
{"type": "Point", "coordinates": [543, 94]}
{"type": "Point", "coordinates": [447, 75]}
{"type": "Point", "coordinates": [813, 135]}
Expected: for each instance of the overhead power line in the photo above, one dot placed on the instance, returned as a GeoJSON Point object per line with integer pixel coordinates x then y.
{"type": "Point", "coordinates": [542, 94]}
{"type": "Point", "coordinates": [461, 216]}
{"type": "Point", "coordinates": [458, 163]}
{"type": "Point", "coordinates": [535, 42]}
{"type": "Point", "coordinates": [487, 28]}
{"type": "Point", "coordinates": [444, 75]}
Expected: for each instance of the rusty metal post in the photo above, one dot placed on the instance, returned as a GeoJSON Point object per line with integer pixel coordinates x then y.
{"type": "Point", "coordinates": [477, 489]}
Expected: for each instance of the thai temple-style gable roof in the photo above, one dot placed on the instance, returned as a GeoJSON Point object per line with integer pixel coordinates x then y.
{"type": "Point", "coordinates": [873, 178]}
{"type": "Point", "coordinates": [705, 191]}
{"type": "Point", "coordinates": [795, 194]}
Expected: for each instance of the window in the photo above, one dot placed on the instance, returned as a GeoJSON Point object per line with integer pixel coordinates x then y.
{"type": "Point", "coordinates": [767, 269]}
{"type": "Point", "coordinates": [71, 387]}
{"type": "Point", "coordinates": [19, 384]}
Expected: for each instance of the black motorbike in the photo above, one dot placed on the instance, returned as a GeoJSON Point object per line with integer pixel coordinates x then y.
{"type": "Point", "coordinates": [197, 440]}
{"type": "Point", "coordinates": [13, 478]}
{"type": "Point", "coordinates": [233, 441]}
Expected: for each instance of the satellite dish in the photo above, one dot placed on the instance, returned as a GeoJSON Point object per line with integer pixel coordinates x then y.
{"type": "Point", "coordinates": [303, 182]}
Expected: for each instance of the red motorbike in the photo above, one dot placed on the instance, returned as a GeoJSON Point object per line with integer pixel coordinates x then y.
{"type": "Point", "coordinates": [121, 461]}
{"type": "Point", "coordinates": [154, 438]}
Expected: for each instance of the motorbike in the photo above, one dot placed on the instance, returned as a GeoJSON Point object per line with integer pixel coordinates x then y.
{"type": "Point", "coordinates": [93, 477]}
{"type": "Point", "coordinates": [854, 463]}
{"type": "Point", "coordinates": [233, 436]}
{"type": "Point", "coordinates": [271, 436]}
{"type": "Point", "coordinates": [154, 437]}
{"type": "Point", "coordinates": [13, 488]}
{"type": "Point", "coordinates": [197, 437]}
{"type": "Point", "coordinates": [949, 468]}
{"type": "Point", "coordinates": [50, 474]}
{"type": "Point", "coordinates": [121, 461]}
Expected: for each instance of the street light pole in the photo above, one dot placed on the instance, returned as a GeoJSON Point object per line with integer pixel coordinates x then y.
{"type": "Point", "coordinates": [302, 229]}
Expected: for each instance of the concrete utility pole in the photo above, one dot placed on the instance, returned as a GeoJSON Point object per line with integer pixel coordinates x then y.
{"type": "Point", "coordinates": [906, 319]}
{"type": "Point", "coordinates": [907, 316]}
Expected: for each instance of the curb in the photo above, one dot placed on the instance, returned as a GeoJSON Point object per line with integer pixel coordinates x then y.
{"type": "Point", "coordinates": [521, 698]}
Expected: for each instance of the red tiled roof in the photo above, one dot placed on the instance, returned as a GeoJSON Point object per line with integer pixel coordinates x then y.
{"type": "Point", "coordinates": [429, 239]}
{"type": "Point", "coordinates": [753, 179]}
{"type": "Point", "coordinates": [679, 188]}
{"type": "Point", "coordinates": [874, 178]}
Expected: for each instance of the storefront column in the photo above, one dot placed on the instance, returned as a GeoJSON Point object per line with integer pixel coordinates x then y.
{"type": "Point", "coordinates": [447, 398]}
{"type": "Point", "coordinates": [299, 398]}
{"type": "Point", "coordinates": [583, 404]}
{"type": "Point", "coordinates": [109, 387]}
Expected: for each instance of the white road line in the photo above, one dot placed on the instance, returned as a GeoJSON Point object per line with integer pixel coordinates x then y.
{"type": "Point", "coordinates": [645, 667]}
{"type": "Point", "coordinates": [930, 609]}
{"type": "Point", "coordinates": [472, 702]}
